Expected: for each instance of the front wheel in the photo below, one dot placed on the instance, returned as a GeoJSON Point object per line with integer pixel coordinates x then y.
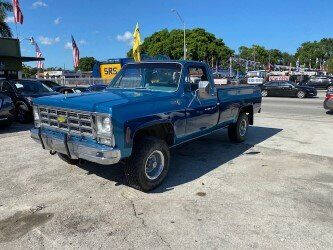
{"type": "Point", "coordinates": [22, 113]}
{"type": "Point", "coordinates": [237, 132]}
{"type": "Point", "coordinates": [149, 164]}
{"type": "Point", "coordinates": [301, 94]}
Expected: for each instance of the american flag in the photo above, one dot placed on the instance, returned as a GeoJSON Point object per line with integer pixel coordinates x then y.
{"type": "Point", "coordinates": [18, 16]}
{"type": "Point", "coordinates": [40, 64]}
{"type": "Point", "coordinates": [76, 53]}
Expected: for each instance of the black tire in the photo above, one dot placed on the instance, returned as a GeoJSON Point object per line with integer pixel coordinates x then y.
{"type": "Point", "coordinates": [6, 124]}
{"type": "Point", "coordinates": [23, 115]}
{"type": "Point", "coordinates": [135, 169]}
{"type": "Point", "coordinates": [235, 131]}
{"type": "Point", "coordinates": [301, 94]}
{"type": "Point", "coordinates": [264, 93]}
{"type": "Point", "coordinates": [65, 158]}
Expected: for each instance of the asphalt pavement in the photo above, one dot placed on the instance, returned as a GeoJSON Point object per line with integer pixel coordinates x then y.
{"type": "Point", "coordinates": [284, 106]}
{"type": "Point", "coordinates": [273, 191]}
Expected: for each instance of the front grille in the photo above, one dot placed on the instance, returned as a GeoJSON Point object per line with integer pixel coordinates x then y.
{"type": "Point", "coordinates": [71, 121]}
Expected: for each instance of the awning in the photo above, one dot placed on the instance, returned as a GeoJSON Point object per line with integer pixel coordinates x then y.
{"type": "Point", "coordinates": [22, 58]}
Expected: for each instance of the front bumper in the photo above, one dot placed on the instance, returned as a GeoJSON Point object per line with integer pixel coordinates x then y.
{"type": "Point", "coordinates": [76, 148]}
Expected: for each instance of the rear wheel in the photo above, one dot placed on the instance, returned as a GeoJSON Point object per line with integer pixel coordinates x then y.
{"type": "Point", "coordinates": [149, 164]}
{"type": "Point", "coordinates": [237, 132]}
{"type": "Point", "coordinates": [301, 94]}
{"type": "Point", "coordinates": [264, 93]}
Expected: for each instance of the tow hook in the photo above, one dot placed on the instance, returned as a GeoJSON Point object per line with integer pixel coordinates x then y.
{"type": "Point", "coordinates": [52, 152]}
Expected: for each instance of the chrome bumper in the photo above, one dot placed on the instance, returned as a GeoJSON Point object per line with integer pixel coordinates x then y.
{"type": "Point", "coordinates": [76, 149]}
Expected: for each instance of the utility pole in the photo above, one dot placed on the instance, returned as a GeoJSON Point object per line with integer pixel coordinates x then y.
{"type": "Point", "coordinates": [184, 28]}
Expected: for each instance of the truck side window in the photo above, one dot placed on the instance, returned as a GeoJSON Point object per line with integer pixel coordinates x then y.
{"type": "Point", "coordinates": [196, 75]}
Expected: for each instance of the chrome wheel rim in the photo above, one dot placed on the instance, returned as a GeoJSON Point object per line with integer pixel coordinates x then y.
{"type": "Point", "coordinates": [154, 165]}
{"type": "Point", "coordinates": [264, 93]}
{"type": "Point", "coordinates": [242, 127]}
{"type": "Point", "coordinates": [301, 94]}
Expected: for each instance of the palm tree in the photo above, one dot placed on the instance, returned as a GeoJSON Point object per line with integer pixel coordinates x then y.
{"type": "Point", "coordinates": [5, 30]}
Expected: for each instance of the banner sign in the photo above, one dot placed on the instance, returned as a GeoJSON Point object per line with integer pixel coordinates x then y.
{"type": "Point", "coordinates": [109, 70]}
{"type": "Point", "coordinates": [278, 78]}
{"type": "Point", "coordinates": [255, 80]}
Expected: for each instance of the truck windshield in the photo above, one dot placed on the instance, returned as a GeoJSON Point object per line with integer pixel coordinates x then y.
{"type": "Point", "coordinates": [152, 76]}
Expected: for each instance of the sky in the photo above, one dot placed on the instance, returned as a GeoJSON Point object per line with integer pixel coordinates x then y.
{"type": "Point", "coordinates": [102, 28]}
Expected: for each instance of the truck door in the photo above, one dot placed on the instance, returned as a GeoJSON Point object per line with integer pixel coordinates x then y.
{"type": "Point", "coordinates": [202, 110]}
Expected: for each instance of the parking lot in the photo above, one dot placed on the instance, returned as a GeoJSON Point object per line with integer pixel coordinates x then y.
{"type": "Point", "coordinates": [275, 190]}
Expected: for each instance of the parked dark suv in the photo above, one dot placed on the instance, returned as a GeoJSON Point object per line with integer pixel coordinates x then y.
{"type": "Point", "coordinates": [320, 82]}
{"type": "Point", "coordinates": [22, 93]}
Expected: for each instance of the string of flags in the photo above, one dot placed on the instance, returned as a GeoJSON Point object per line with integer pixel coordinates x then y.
{"type": "Point", "coordinates": [18, 15]}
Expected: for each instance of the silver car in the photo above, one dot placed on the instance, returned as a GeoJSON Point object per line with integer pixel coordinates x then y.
{"type": "Point", "coordinates": [328, 103]}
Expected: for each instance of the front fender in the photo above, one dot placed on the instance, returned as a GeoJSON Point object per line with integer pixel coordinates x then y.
{"type": "Point", "coordinates": [132, 127]}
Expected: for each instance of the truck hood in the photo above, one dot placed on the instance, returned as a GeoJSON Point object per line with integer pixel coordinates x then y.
{"type": "Point", "coordinates": [101, 101]}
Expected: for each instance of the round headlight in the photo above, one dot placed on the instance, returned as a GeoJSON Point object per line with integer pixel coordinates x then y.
{"type": "Point", "coordinates": [103, 125]}
{"type": "Point", "coordinates": [107, 124]}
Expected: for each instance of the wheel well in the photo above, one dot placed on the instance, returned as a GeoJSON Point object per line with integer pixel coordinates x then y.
{"type": "Point", "coordinates": [162, 131]}
{"type": "Point", "coordinates": [249, 111]}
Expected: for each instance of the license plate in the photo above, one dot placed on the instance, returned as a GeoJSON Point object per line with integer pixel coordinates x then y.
{"type": "Point", "coordinates": [56, 144]}
{"type": "Point", "coordinates": [48, 142]}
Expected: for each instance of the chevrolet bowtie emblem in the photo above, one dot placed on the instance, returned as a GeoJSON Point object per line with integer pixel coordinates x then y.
{"type": "Point", "coordinates": [61, 119]}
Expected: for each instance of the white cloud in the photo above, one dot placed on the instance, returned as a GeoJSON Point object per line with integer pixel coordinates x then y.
{"type": "Point", "coordinates": [127, 37]}
{"type": "Point", "coordinates": [82, 41]}
{"type": "Point", "coordinates": [9, 19]}
{"type": "Point", "coordinates": [38, 4]}
{"type": "Point", "coordinates": [49, 41]}
{"type": "Point", "coordinates": [57, 21]}
{"type": "Point", "coordinates": [68, 45]}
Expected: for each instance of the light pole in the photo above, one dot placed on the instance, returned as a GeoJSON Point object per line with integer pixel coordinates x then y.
{"type": "Point", "coordinates": [184, 27]}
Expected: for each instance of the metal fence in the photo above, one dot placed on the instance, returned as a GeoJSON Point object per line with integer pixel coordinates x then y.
{"type": "Point", "coordinates": [80, 81]}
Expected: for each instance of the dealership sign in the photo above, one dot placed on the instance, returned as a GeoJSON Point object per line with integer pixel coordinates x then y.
{"type": "Point", "coordinates": [278, 78]}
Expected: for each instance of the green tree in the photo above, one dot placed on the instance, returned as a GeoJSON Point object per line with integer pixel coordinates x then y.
{"type": "Point", "coordinates": [313, 53]}
{"type": "Point", "coordinates": [5, 7]}
{"type": "Point", "coordinates": [329, 65]}
{"type": "Point", "coordinates": [28, 71]}
{"type": "Point", "coordinates": [201, 46]}
{"type": "Point", "coordinates": [86, 63]}
{"type": "Point", "coordinates": [263, 56]}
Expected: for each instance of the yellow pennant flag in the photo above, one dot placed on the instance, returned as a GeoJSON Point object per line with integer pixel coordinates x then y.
{"type": "Point", "coordinates": [136, 44]}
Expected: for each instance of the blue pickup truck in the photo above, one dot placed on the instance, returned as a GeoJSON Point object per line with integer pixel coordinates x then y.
{"type": "Point", "coordinates": [147, 108]}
